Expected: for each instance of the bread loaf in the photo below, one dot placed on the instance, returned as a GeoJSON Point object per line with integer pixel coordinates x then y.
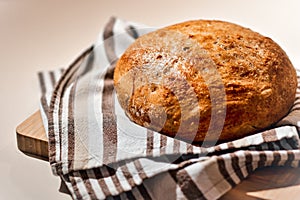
{"type": "Point", "coordinates": [205, 79]}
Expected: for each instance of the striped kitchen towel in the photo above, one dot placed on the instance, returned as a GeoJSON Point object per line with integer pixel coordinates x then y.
{"type": "Point", "coordinates": [99, 153]}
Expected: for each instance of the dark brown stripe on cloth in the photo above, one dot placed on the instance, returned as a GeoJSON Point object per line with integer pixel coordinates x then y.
{"type": "Point", "coordinates": [74, 185]}
{"type": "Point", "coordinates": [127, 175]}
{"type": "Point", "coordinates": [52, 148]}
{"type": "Point", "coordinates": [176, 146]}
{"type": "Point", "coordinates": [163, 144]}
{"type": "Point", "coordinates": [296, 103]}
{"type": "Point", "coordinates": [269, 135]}
{"type": "Point", "coordinates": [295, 109]}
{"type": "Point", "coordinates": [150, 137]}
{"type": "Point", "coordinates": [230, 145]}
{"type": "Point", "coordinates": [57, 94]}
{"type": "Point", "coordinates": [112, 173]}
{"type": "Point", "coordinates": [60, 110]}
{"type": "Point", "coordinates": [276, 147]}
{"type": "Point", "coordinates": [116, 197]}
{"type": "Point", "coordinates": [89, 64]}
{"type": "Point", "coordinates": [293, 142]}
{"type": "Point", "coordinates": [109, 121]}
{"type": "Point", "coordinates": [248, 162]}
{"type": "Point", "coordinates": [123, 196]}
{"type": "Point", "coordinates": [45, 105]}
{"type": "Point", "coordinates": [51, 140]}
{"type": "Point", "coordinates": [189, 148]}
{"type": "Point", "coordinates": [111, 170]}
{"type": "Point", "coordinates": [99, 176]}
{"type": "Point", "coordinates": [109, 138]}
{"type": "Point", "coordinates": [271, 146]}
{"type": "Point", "coordinates": [276, 158]}
{"type": "Point", "coordinates": [277, 143]}
{"type": "Point", "coordinates": [43, 92]}
{"type": "Point", "coordinates": [107, 98]}
{"type": "Point", "coordinates": [130, 180]}
{"type": "Point", "coordinates": [262, 159]}
{"type": "Point", "coordinates": [290, 158]}
{"type": "Point", "coordinates": [52, 78]}
{"type": "Point", "coordinates": [285, 144]}
{"type": "Point", "coordinates": [258, 147]}
{"type": "Point", "coordinates": [109, 198]}
{"type": "Point", "coordinates": [132, 31]}
{"type": "Point", "coordinates": [236, 167]}
{"type": "Point", "coordinates": [143, 191]}
{"type": "Point", "coordinates": [105, 172]}
{"type": "Point", "coordinates": [297, 98]}
{"type": "Point", "coordinates": [71, 127]}
{"type": "Point", "coordinates": [217, 148]}
{"type": "Point", "coordinates": [186, 184]}
{"type": "Point", "coordinates": [140, 169]}
{"type": "Point", "coordinates": [42, 82]}
{"type": "Point", "coordinates": [109, 43]}
{"type": "Point", "coordinates": [87, 184]}
{"type": "Point", "coordinates": [129, 195]}
{"type": "Point", "coordinates": [224, 172]}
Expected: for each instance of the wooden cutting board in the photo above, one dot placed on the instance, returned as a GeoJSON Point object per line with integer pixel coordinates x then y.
{"type": "Point", "coordinates": [265, 183]}
{"type": "Point", "coordinates": [31, 137]}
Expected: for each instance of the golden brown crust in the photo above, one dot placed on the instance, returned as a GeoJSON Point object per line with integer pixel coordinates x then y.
{"type": "Point", "coordinates": [258, 79]}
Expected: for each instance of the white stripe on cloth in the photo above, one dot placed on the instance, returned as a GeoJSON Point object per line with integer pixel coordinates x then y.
{"type": "Point", "coordinates": [228, 166]}
{"type": "Point", "coordinates": [64, 137]}
{"type": "Point", "coordinates": [179, 194]}
{"type": "Point", "coordinates": [82, 190]}
{"type": "Point", "coordinates": [48, 86]}
{"type": "Point", "coordinates": [48, 93]}
{"type": "Point", "coordinates": [70, 188]}
{"type": "Point", "coordinates": [169, 145]}
{"type": "Point", "coordinates": [44, 118]}
{"type": "Point", "coordinates": [122, 41]}
{"type": "Point", "coordinates": [134, 138]}
{"type": "Point", "coordinates": [156, 144]}
{"type": "Point", "coordinates": [285, 131]}
{"type": "Point", "coordinates": [94, 183]}
{"type": "Point", "coordinates": [242, 162]}
{"type": "Point", "coordinates": [134, 173]}
{"type": "Point", "coordinates": [207, 172]}
{"type": "Point", "coordinates": [56, 132]}
{"type": "Point", "coordinates": [124, 183]}
{"type": "Point", "coordinates": [284, 156]}
{"type": "Point", "coordinates": [152, 167]}
{"type": "Point", "coordinates": [98, 191]}
{"type": "Point", "coordinates": [109, 182]}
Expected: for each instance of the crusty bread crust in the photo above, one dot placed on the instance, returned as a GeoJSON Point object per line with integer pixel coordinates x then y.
{"type": "Point", "coordinates": [160, 80]}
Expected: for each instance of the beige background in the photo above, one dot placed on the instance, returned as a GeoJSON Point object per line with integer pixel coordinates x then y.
{"type": "Point", "coordinates": [40, 35]}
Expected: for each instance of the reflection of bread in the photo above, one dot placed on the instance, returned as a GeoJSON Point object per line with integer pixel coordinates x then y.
{"type": "Point", "coordinates": [162, 73]}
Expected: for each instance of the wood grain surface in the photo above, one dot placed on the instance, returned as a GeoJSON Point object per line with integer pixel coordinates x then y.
{"type": "Point", "coordinates": [266, 183]}
{"type": "Point", "coordinates": [31, 137]}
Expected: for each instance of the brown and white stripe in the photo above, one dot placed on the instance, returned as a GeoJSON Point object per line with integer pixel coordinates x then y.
{"type": "Point", "coordinates": [100, 154]}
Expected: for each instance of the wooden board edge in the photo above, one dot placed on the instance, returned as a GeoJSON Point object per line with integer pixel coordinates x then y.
{"type": "Point", "coordinates": [34, 146]}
